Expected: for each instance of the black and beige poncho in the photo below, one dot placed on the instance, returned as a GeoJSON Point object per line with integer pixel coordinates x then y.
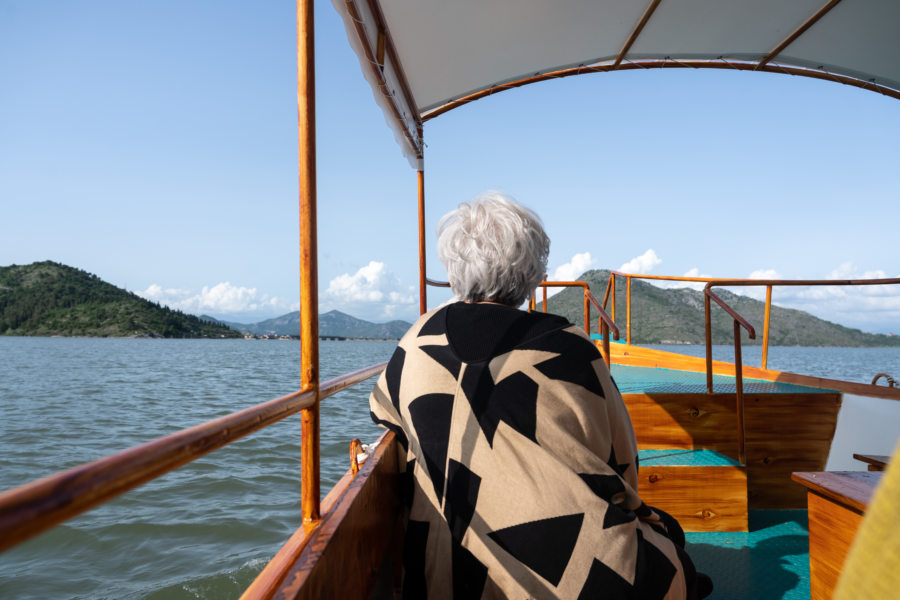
{"type": "Point", "coordinates": [522, 463]}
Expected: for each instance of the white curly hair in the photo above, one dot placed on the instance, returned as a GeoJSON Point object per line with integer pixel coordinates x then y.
{"type": "Point", "coordinates": [494, 249]}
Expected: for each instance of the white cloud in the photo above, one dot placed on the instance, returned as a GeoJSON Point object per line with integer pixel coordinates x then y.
{"type": "Point", "coordinates": [764, 274]}
{"type": "Point", "coordinates": [574, 268]}
{"type": "Point", "coordinates": [372, 293]}
{"type": "Point", "coordinates": [220, 299]}
{"type": "Point", "coordinates": [571, 270]}
{"type": "Point", "coordinates": [641, 265]}
{"type": "Point", "coordinates": [868, 307]}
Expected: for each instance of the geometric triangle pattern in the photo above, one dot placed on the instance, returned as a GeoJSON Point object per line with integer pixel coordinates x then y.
{"type": "Point", "coordinates": [544, 546]}
{"type": "Point", "coordinates": [521, 469]}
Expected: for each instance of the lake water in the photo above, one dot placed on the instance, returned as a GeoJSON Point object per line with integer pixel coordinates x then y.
{"type": "Point", "coordinates": [207, 529]}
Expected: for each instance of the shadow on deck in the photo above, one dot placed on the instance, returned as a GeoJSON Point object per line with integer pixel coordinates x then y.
{"type": "Point", "coordinates": [770, 561]}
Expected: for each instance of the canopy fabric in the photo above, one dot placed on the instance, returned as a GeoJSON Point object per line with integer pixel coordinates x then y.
{"type": "Point", "coordinates": [420, 55]}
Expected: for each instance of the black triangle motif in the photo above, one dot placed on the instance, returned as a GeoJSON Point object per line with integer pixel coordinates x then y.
{"type": "Point", "coordinates": [461, 497]}
{"type": "Point", "coordinates": [654, 572]}
{"type": "Point", "coordinates": [574, 363]}
{"type": "Point", "coordinates": [513, 400]}
{"type": "Point", "coordinates": [430, 416]}
{"type": "Point", "coordinates": [392, 375]}
{"type": "Point", "coordinates": [614, 463]}
{"type": "Point", "coordinates": [445, 357]}
{"type": "Point", "coordinates": [616, 515]}
{"type": "Point", "coordinates": [605, 486]}
{"type": "Point", "coordinates": [408, 483]}
{"type": "Point", "coordinates": [414, 545]}
{"type": "Point", "coordinates": [603, 582]}
{"type": "Point", "coordinates": [544, 546]}
{"type": "Point", "coordinates": [436, 325]}
{"type": "Point", "coordinates": [398, 431]}
{"type": "Point", "coordinates": [469, 575]}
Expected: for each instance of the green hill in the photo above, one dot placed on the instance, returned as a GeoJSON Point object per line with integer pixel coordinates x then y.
{"type": "Point", "coordinates": [49, 298]}
{"type": "Point", "coordinates": [676, 316]}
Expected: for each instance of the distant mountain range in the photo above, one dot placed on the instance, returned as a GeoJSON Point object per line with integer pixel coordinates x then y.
{"type": "Point", "coordinates": [333, 324]}
{"type": "Point", "coordinates": [49, 298]}
{"type": "Point", "coordinates": [677, 316]}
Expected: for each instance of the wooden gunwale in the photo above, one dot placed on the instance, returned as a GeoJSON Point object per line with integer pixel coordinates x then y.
{"type": "Point", "coordinates": [352, 537]}
{"type": "Point", "coordinates": [32, 508]}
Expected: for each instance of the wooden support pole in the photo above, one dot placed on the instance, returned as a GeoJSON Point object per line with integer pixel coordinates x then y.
{"type": "Point", "coordinates": [739, 393]}
{"type": "Point", "coordinates": [612, 287]}
{"type": "Point", "coordinates": [708, 324]}
{"type": "Point", "coordinates": [309, 294]}
{"type": "Point", "coordinates": [423, 292]}
{"type": "Point", "coordinates": [765, 344]}
{"type": "Point", "coordinates": [628, 310]}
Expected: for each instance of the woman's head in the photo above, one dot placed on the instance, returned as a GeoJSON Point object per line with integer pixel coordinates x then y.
{"type": "Point", "coordinates": [493, 249]}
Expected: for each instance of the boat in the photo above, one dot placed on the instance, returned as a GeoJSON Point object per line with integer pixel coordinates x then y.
{"type": "Point", "coordinates": [728, 448]}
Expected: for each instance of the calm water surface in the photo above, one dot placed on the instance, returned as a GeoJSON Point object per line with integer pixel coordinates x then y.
{"type": "Point", "coordinates": [207, 529]}
{"type": "Point", "coordinates": [203, 531]}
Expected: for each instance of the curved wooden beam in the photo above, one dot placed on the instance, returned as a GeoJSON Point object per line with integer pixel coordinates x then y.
{"type": "Point", "coordinates": [666, 64]}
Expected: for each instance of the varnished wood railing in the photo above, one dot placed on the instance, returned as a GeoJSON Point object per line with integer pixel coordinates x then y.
{"type": "Point", "coordinates": [605, 323]}
{"type": "Point", "coordinates": [739, 322]}
{"type": "Point", "coordinates": [32, 508]}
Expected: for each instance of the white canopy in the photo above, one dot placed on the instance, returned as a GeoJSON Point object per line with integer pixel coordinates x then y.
{"type": "Point", "coordinates": [424, 57]}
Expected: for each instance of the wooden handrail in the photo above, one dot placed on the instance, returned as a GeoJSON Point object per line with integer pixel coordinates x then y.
{"type": "Point", "coordinates": [34, 507]}
{"type": "Point", "coordinates": [734, 315]}
{"type": "Point", "coordinates": [605, 322]}
{"type": "Point", "coordinates": [436, 283]}
{"type": "Point", "coordinates": [739, 322]}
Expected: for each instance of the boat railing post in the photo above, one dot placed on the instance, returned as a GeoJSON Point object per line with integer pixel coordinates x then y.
{"type": "Point", "coordinates": [628, 309]}
{"type": "Point", "coordinates": [765, 343]}
{"type": "Point", "coordinates": [612, 289]}
{"type": "Point", "coordinates": [739, 393]}
{"type": "Point", "coordinates": [604, 333]}
{"type": "Point", "coordinates": [309, 311]}
{"type": "Point", "coordinates": [587, 309]}
{"type": "Point", "coordinates": [544, 288]}
{"type": "Point", "coordinates": [708, 326]}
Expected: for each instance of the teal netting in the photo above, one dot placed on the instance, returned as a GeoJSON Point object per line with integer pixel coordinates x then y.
{"type": "Point", "coordinates": [771, 561]}
{"type": "Point", "coordinates": [648, 380]}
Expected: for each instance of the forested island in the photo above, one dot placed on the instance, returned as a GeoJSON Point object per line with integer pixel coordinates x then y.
{"type": "Point", "coordinates": [49, 298]}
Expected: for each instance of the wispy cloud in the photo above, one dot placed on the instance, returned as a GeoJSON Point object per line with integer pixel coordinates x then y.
{"type": "Point", "coordinates": [870, 308]}
{"type": "Point", "coordinates": [372, 293]}
{"type": "Point", "coordinates": [220, 299]}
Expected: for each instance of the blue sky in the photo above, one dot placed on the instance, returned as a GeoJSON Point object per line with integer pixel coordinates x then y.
{"type": "Point", "coordinates": [154, 144]}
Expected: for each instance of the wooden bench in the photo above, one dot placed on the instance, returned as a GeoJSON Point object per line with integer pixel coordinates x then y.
{"type": "Point", "coordinates": [836, 501]}
{"type": "Point", "coordinates": [704, 490]}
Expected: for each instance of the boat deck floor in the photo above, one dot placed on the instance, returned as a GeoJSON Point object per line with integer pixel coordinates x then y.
{"type": "Point", "coordinates": [650, 380]}
{"type": "Point", "coordinates": [770, 561]}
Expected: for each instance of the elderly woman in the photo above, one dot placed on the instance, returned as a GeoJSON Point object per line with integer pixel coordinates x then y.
{"type": "Point", "coordinates": [520, 453]}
